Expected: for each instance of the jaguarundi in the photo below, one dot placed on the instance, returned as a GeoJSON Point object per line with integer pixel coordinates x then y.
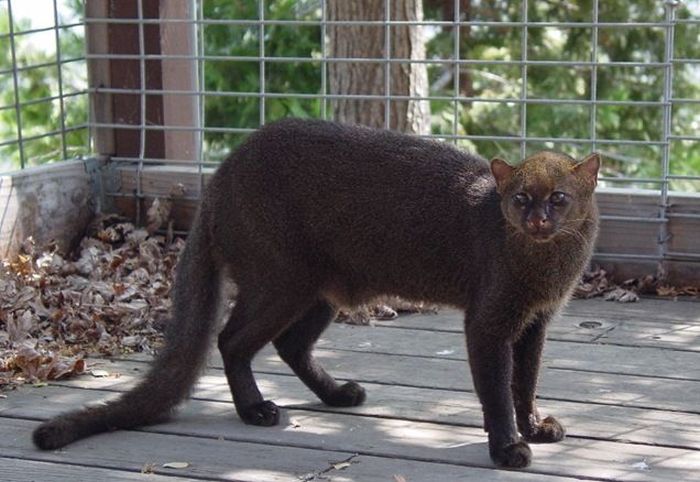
{"type": "Point", "coordinates": [307, 216]}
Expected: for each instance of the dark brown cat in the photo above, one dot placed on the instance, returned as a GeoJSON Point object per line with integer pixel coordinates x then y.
{"type": "Point", "coordinates": [309, 215]}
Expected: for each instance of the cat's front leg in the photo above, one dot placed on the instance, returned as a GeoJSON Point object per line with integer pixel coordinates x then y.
{"type": "Point", "coordinates": [527, 353]}
{"type": "Point", "coordinates": [491, 362]}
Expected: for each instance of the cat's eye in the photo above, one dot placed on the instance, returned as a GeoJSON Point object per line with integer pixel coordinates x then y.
{"type": "Point", "coordinates": [521, 199]}
{"type": "Point", "coordinates": [557, 198]}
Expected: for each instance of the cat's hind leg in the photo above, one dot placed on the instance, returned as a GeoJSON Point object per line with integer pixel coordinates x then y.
{"type": "Point", "coordinates": [256, 319]}
{"type": "Point", "coordinates": [527, 353]}
{"type": "Point", "coordinates": [295, 347]}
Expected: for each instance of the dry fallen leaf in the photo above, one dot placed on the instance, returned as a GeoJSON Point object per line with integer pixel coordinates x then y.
{"type": "Point", "coordinates": [109, 297]}
{"type": "Point", "coordinates": [598, 282]}
{"type": "Point", "coordinates": [158, 213]}
{"type": "Point", "coordinates": [384, 308]}
{"type": "Point", "coordinates": [622, 295]}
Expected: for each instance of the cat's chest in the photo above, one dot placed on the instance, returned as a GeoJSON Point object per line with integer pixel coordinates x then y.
{"type": "Point", "coordinates": [547, 278]}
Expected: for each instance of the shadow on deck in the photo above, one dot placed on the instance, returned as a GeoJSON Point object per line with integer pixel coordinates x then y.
{"type": "Point", "coordinates": [623, 378]}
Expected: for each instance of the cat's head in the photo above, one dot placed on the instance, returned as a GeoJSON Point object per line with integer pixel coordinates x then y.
{"type": "Point", "coordinates": [548, 194]}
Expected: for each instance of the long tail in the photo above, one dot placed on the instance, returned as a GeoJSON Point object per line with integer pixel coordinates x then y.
{"type": "Point", "coordinates": [175, 369]}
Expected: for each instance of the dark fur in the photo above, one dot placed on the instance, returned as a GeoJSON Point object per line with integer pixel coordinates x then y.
{"type": "Point", "coordinates": [311, 215]}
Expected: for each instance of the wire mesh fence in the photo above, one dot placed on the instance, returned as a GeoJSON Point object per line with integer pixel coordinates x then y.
{"type": "Point", "coordinates": [182, 83]}
{"type": "Point", "coordinates": [43, 84]}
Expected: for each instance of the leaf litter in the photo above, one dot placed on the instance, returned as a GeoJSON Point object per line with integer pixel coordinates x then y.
{"type": "Point", "coordinates": [111, 298]}
{"type": "Point", "coordinates": [598, 282]}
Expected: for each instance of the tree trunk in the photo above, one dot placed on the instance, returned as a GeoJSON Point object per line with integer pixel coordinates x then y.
{"type": "Point", "coordinates": [369, 78]}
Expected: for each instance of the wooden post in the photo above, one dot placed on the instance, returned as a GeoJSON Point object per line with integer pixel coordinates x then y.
{"type": "Point", "coordinates": [99, 76]}
{"type": "Point", "coordinates": [179, 38]}
{"type": "Point", "coordinates": [119, 73]}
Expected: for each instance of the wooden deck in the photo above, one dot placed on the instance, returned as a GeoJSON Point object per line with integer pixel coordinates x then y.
{"type": "Point", "coordinates": [628, 392]}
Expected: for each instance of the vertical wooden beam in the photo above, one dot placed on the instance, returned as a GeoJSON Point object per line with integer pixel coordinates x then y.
{"type": "Point", "coordinates": [99, 76]}
{"type": "Point", "coordinates": [176, 38]}
{"type": "Point", "coordinates": [125, 74]}
{"type": "Point", "coordinates": [179, 38]}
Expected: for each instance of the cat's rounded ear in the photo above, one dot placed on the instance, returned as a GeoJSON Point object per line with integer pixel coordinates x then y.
{"type": "Point", "coordinates": [588, 168]}
{"type": "Point", "coordinates": [501, 170]}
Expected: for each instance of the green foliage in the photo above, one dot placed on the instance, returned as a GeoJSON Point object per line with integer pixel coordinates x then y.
{"type": "Point", "coordinates": [36, 83]}
{"type": "Point", "coordinates": [242, 110]}
{"type": "Point", "coordinates": [553, 81]}
{"type": "Point", "coordinates": [233, 87]}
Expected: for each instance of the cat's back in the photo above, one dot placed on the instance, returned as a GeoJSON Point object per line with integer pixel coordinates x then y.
{"type": "Point", "coordinates": [317, 147]}
{"type": "Point", "coordinates": [363, 207]}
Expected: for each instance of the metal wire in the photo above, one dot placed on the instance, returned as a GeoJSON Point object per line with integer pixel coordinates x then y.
{"type": "Point", "coordinates": [381, 23]}
{"type": "Point", "coordinates": [434, 61]}
{"type": "Point", "coordinates": [525, 102]}
{"type": "Point", "coordinates": [261, 41]}
{"type": "Point", "coordinates": [459, 98]}
{"type": "Point", "coordinates": [24, 67]}
{"type": "Point", "coordinates": [201, 96]}
{"type": "Point", "coordinates": [142, 110]}
{"type": "Point", "coordinates": [324, 61]}
{"type": "Point", "coordinates": [387, 64]}
{"type": "Point", "coordinates": [44, 100]}
{"type": "Point", "coordinates": [455, 63]}
{"type": "Point", "coordinates": [20, 141]}
{"type": "Point", "coordinates": [20, 33]}
{"type": "Point", "coordinates": [664, 235]}
{"type": "Point", "coordinates": [513, 138]}
{"type": "Point", "coordinates": [593, 129]}
{"type": "Point", "coordinates": [64, 147]}
{"type": "Point", "coordinates": [456, 26]}
{"type": "Point", "coordinates": [15, 85]}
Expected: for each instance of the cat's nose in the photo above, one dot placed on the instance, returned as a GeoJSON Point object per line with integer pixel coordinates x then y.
{"type": "Point", "coordinates": [537, 223]}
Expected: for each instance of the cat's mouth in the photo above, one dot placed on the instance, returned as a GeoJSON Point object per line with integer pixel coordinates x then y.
{"type": "Point", "coordinates": [541, 235]}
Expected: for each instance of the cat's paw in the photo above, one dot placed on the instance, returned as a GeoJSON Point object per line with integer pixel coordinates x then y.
{"type": "Point", "coordinates": [548, 430]}
{"type": "Point", "coordinates": [515, 456]}
{"type": "Point", "coordinates": [264, 414]}
{"type": "Point", "coordinates": [350, 394]}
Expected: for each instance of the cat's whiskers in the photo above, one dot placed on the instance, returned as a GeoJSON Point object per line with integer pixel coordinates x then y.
{"type": "Point", "coordinates": [585, 220]}
{"type": "Point", "coordinates": [572, 232]}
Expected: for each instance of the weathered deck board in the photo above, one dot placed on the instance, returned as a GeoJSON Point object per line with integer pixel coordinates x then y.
{"type": "Point", "coordinates": [629, 402]}
{"type": "Point", "coordinates": [209, 458]}
{"type": "Point", "coordinates": [619, 389]}
{"type": "Point", "coordinates": [420, 406]}
{"type": "Point", "coordinates": [449, 374]}
{"type": "Point", "coordinates": [683, 310]}
{"type": "Point", "coordinates": [440, 406]}
{"type": "Point", "coordinates": [681, 335]}
{"type": "Point", "coordinates": [401, 439]}
{"type": "Point", "coordinates": [21, 470]}
{"type": "Point", "coordinates": [212, 455]}
{"type": "Point", "coordinates": [647, 361]}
